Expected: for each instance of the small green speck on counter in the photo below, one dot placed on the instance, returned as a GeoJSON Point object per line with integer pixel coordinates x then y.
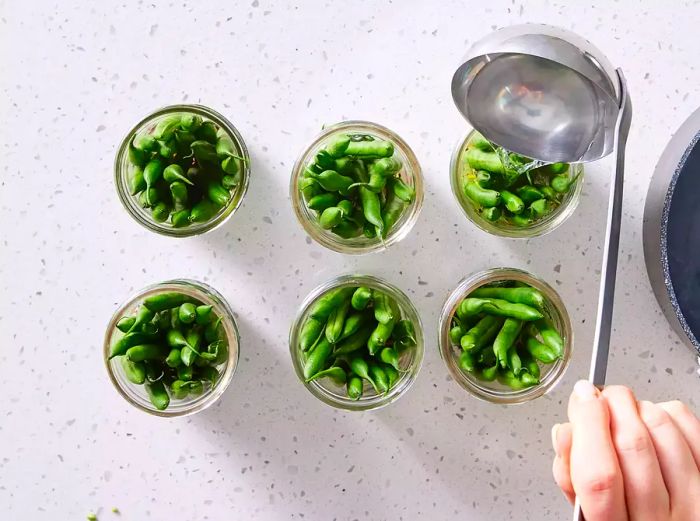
{"type": "Point", "coordinates": [92, 516]}
{"type": "Point", "coordinates": [115, 510]}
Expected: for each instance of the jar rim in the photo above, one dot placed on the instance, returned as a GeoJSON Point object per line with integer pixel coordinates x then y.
{"type": "Point", "coordinates": [359, 245]}
{"type": "Point", "coordinates": [503, 395]}
{"type": "Point", "coordinates": [121, 165]}
{"type": "Point", "coordinates": [374, 401]}
{"type": "Point", "coordinates": [204, 293]}
{"type": "Point", "coordinates": [539, 228]}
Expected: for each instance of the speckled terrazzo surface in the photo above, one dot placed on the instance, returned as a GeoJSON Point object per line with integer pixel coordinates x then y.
{"type": "Point", "coordinates": [75, 77]}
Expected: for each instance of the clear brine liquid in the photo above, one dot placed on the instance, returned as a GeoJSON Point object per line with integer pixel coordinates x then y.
{"type": "Point", "coordinates": [516, 162]}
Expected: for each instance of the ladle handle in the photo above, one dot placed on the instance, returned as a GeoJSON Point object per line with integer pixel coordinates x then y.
{"type": "Point", "coordinates": [601, 339]}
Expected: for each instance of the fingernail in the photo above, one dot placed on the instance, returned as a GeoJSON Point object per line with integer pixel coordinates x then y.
{"type": "Point", "coordinates": [585, 390]}
{"type": "Point", "coordinates": [555, 445]}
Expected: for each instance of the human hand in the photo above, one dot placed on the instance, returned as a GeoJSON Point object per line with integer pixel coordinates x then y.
{"type": "Point", "coordinates": [626, 459]}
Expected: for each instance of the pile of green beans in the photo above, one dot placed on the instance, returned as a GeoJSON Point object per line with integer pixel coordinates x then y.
{"type": "Point", "coordinates": [353, 185]}
{"type": "Point", "coordinates": [173, 345]}
{"type": "Point", "coordinates": [503, 195]}
{"type": "Point", "coordinates": [184, 169]}
{"type": "Point", "coordinates": [355, 334]}
{"type": "Point", "coordinates": [504, 335]}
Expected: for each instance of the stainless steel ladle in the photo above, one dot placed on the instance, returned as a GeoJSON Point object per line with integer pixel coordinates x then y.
{"type": "Point", "coordinates": [548, 94]}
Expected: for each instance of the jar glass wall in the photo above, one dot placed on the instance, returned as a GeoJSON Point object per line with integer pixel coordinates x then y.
{"type": "Point", "coordinates": [136, 394]}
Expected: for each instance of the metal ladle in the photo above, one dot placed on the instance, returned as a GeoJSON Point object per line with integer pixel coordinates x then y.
{"type": "Point", "coordinates": [548, 94]}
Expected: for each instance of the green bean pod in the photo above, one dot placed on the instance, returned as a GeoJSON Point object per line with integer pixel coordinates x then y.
{"type": "Point", "coordinates": [384, 309]}
{"type": "Point", "coordinates": [166, 127]}
{"type": "Point", "coordinates": [353, 323]}
{"type": "Point", "coordinates": [217, 193]}
{"type": "Point", "coordinates": [143, 352]}
{"type": "Point", "coordinates": [403, 191]}
{"type": "Point", "coordinates": [174, 358]}
{"type": "Point", "coordinates": [137, 183]}
{"type": "Point", "coordinates": [355, 341]}
{"type": "Point", "coordinates": [163, 301]}
{"type": "Point", "coordinates": [483, 196]}
{"type": "Point", "coordinates": [151, 173]}
{"type": "Point", "coordinates": [333, 181]}
{"type": "Point", "coordinates": [508, 378]}
{"type": "Point", "coordinates": [178, 191]}
{"type": "Point", "coordinates": [540, 351]}
{"type": "Point", "coordinates": [335, 373]}
{"type": "Point", "coordinates": [562, 182]}
{"type": "Point", "coordinates": [322, 201]}
{"type": "Point", "coordinates": [529, 194]}
{"type": "Point", "coordinates": [467, 362]}
{"type": "Point", "coordinates": [322, 308]}
{"type": "Point", "coordinates": [525, 295]}
{"type": "Point", "coordinates": [479, 141]}
{"type": "Point", "coordinates": [380, 336]}
{"type": "Point", "coordinates": [317, 358]}
{"type": "Point", "coordinates": [405, 330]}
{"type": "Point", "coordinates": [482, 160]}
{"type": "Point", "coordinates": [385, 167]}
{"type": "Point", "coordinates": [456, 334]}
{"type": "Point", "coordinates": [472, 306]}
{"type": "Point", "coordinates": [354, 387]}
{"type": "Point", "coordinates": [347, 230]}
{"type": "Point", "coordinates": [173, 173]}
{"type": "Point", "coordinates": [530, 364]}
{"type": "Point", "coordinates": [381, 382]}
{"type": "Point", "coordinates": [492, 214]}
{"type": "Point", "coordinates": [481, 333]}
{"type": "Point", "coordinates": [203, 211]}
{"type": "Point", "coordinates": [392, 375]}
{"type": "Point", "coordinates": [513, 361]}
{"type": "Point", "coordinates": [336, 322]}
{"type": "Point", "coordinates": [391, 213]}
{"type": "Point", "coordinates": [388, 355]}
{"type": "Point", "coordinates": [331, 217]}
{"type": "Point", "coordinates": [376, 148]}
{"type": "Point", "coordinates": [204, 314]}
{"type": "Point", "coordinates": [207, 132]}
{"type": "Point", "coordinates": [135, 372]}
{"type": "Point", "coordinates": [361, 297]}
{"type": "Point", "coordinates": [129, 340]}
{"type": "Point", "coordinates": [180, 218]}
{"type": "Point", "coordinates": [540, 208]}
{"type": "Point", "coordinates": [512, 202]}
{"type": "Point", "coordinates": [550, 336]}
{"type": "Point", "coordinates": [124, 324]}
{"type": "Point", "coordinates": [145, 143]}
{"type": "Point", "coordinates": [505, 339]}
{"type": "Point", "coordinates": [158, 395]}
{"type": "Point", "coordinates": [484, 179]}
{"type": "Point", "coordinates": [488, 374]}
{"type": "Point", "coordinates": [337, 145]}
{"type": "Point", "coordinates": [360, 367]}
{"type": "Point", "coordinates": [190, 122]}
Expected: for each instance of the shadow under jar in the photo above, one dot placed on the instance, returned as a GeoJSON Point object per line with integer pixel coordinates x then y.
{"type": "Point", "coordinates": [410, 174]}
{"type": "Point", "coordinates": [213, 215]}
{"type": "Point", "coordinates": [494, 391]}
{"type": "Point", "coordinates": [136, 394]}
{"type": "Point", "coordinates": [461, 171]}
{"type": "Point", "coordinates": [334, 394]}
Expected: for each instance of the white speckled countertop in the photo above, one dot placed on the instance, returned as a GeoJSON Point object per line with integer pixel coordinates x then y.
{"type": "Point", "coordinates": [77, 75]}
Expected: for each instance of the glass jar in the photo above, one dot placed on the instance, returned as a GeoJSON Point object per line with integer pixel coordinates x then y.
{"type": "Point", "coordinates": [136, 394]}
{"type": "Point", "coordinates": [458, 170]}
{"type": "Point", "coordinates": [122, 169]}
{"type": "Point", "coordinates": [410, 360]}
{"type": "Point", "coordinates": [496, 392]}
{"type": "Point", "coordinates": [410, 174]}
